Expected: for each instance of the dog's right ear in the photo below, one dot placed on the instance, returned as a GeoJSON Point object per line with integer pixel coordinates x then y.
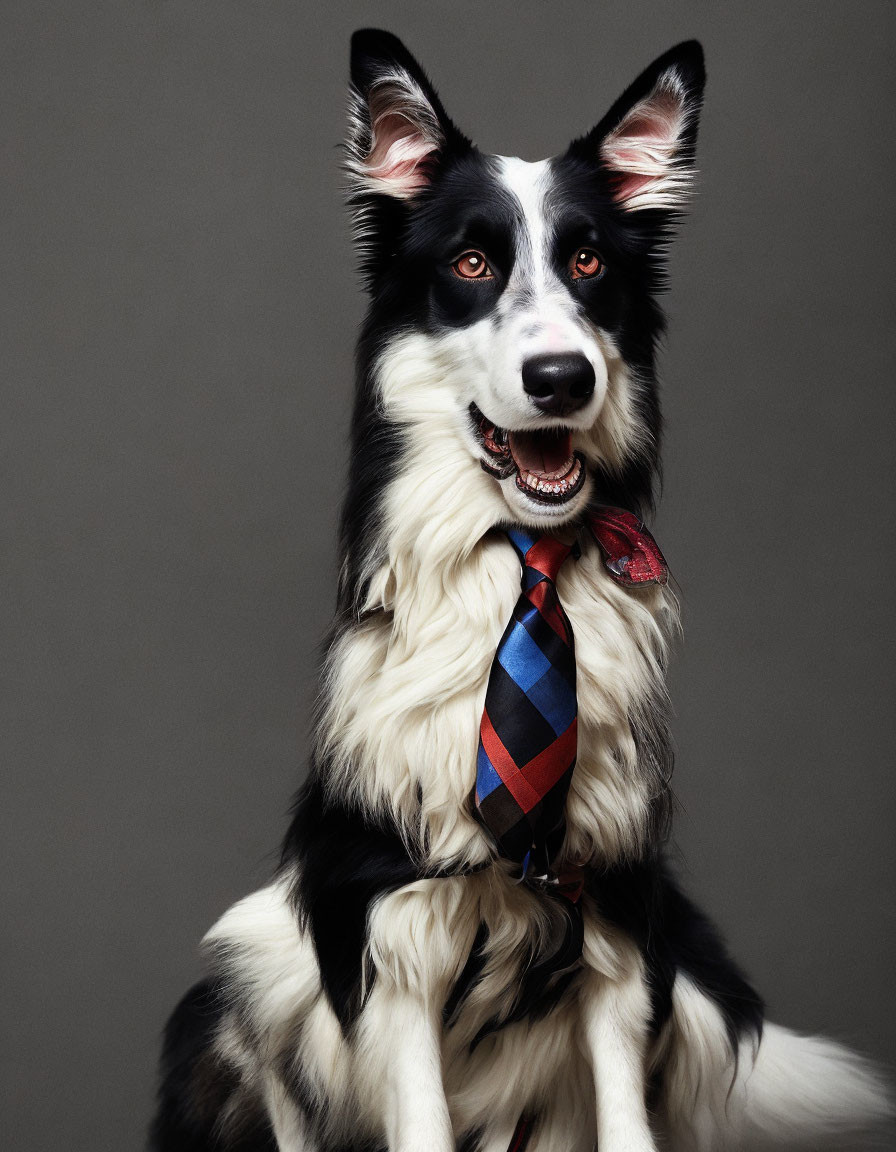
{"type": "Point", "coordinates": [398, 131]}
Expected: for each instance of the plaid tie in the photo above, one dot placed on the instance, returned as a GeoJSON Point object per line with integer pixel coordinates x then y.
{"type": "Point", "coordinates": [527, 737]}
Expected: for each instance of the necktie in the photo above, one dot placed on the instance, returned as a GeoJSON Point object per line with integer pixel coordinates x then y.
{"type": "Point", "coordinates": [527, 735]}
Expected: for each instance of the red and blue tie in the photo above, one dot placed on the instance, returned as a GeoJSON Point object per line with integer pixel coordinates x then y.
{"type": "Point", "coordinates": [527, 736]}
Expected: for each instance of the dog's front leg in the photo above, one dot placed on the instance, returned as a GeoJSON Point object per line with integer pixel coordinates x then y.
{"type": "Point", "coordinates": [418, 941]}
{"type": "Point", "coordinates": [615, 1018]}
{"type": "Point", "coordinates": [408, 1071]}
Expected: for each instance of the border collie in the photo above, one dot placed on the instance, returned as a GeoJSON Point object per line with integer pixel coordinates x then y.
{"type": "Point", "coordinates": [401, 985]}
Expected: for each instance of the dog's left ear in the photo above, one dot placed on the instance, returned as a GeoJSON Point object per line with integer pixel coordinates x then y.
{"type": "Point", "coordinates": [645, 144]}
{"type": "Point", "coordinates": [398, 131]}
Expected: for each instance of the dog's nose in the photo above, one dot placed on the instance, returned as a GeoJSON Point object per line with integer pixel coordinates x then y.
{"type": "Point", "coordinates": [559, 383]}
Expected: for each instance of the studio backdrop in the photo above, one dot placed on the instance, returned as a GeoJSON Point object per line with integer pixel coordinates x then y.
{"type": "Point", "coordinates": [180, 304]}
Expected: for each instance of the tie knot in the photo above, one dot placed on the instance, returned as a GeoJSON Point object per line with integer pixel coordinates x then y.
{"type": "Point", "coordinates": [539, 553]}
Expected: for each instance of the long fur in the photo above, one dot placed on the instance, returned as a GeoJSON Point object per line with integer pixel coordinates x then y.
{"type": "Point", "coordinates": [397, 986]}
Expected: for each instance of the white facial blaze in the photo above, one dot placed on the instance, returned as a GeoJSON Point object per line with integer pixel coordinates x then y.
{"type": "Point", "coordinates": [536, 309]}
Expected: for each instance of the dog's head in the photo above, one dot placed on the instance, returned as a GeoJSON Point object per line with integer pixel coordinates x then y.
{"type": "Point", "coordinates": [530, 286]}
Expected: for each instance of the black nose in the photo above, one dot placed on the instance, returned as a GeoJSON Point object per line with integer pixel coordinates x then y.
{"type": "Point", "coordinates": [560, 383]}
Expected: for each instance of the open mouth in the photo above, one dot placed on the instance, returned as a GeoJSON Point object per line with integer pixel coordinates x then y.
{"type": "Point", "coordinates": [547, 470]}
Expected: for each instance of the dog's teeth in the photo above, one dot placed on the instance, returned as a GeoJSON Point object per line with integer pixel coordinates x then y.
{"type": "Point", "coordinates": [558, 483]}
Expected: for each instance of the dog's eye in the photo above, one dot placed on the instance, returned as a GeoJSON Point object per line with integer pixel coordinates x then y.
{"type": "Point", "coordinates": [585, 264]}
{"type": "Point", "coordinates": [472, 266]}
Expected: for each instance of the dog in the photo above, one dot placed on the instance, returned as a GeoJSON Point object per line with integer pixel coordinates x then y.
{"type": "Point", "coordinates": [407, 982]}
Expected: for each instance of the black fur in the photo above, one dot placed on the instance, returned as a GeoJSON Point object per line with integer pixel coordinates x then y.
{"type": "Point", "coordinates": [345, 862]}
{"type": "Point", "coordinates": [470, 1142]}
{"type": "Point", "coordinates": [196, 1088]}
{"type": "Point", "coordinates": [376, 445]}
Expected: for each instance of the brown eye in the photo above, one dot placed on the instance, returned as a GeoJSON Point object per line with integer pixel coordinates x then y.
{"type": "Point", "coordinates": [585, 264]}
{"type": "Point", "coordinates": [472, 266]}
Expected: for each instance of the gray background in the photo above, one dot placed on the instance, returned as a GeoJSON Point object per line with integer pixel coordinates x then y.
{"type": "Point", "coordinates": [179, 304]}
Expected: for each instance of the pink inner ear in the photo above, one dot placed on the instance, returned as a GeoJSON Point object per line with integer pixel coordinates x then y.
{"type": "Point", "coordinates": [398, 154]}
{"type": "Point", "coordinates": [641, 152]}
{"type": "Point", "coordinates": [626, 188]}
{"type": "Point", "coordinates": [404, 136]}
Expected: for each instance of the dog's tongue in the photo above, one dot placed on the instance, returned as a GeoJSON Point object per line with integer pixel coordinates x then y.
{"type": "Point", "coordinates": [544, 452]}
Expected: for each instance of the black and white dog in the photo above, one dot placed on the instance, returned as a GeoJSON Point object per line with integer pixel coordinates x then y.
{"type": "Point", "coordinates": [397, 987]}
